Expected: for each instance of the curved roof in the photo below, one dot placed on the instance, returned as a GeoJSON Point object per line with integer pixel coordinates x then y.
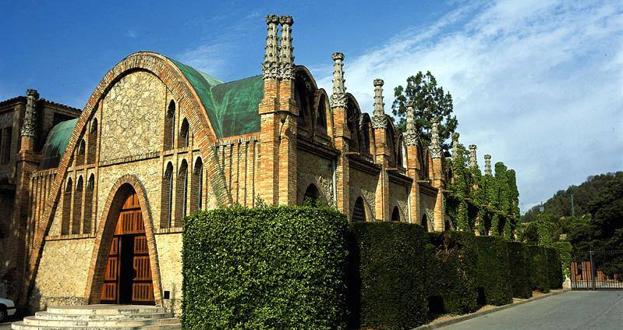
{"type": "Point", "coordinates": [232, 106]}
{"type": "Point", "coordinates": [56, 143]}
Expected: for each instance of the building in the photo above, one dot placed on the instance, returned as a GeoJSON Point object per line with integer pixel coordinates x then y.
{"type": "Point", "coordinates": [25, 122]}
{"type": "Point", "coordinates": [158, 140]}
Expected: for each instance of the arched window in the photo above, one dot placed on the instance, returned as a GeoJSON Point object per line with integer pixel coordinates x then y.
{"type": "Point", "coordinates": [80, 152]}
{"type": "Point", "coordinates": [196, 187]}
{"type": "Point", "coordinates": [169, 126]}
{"type": "Point", "coordinates": [184, 134]}
{"type": "Point", "coordinates": [88, 206]}
{"type": "Point", "coordinates": [311, 195]}
{"type": "Point", "coordinates": [92, 142]}
{"type": "Point", "coordinates": [359, 212]}
{"type": "Point", "coordinates": [166, 210]}
{"type": "Point", "coordinates": [424, 222]}
{"type": "Point", "coordinates": [181, 194]}
{"type": "Point", "coordinates": [77, 208]}
{"type": "Point", "coordinates": [396, 214]}
{"type": "Point", "coordinates": [66, 218]}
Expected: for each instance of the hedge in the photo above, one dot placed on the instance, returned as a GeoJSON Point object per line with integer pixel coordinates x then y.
{"type": "Point", "coordinates": [453, 273]}
{"type": "Point", "coordinates": [304, 267]}
{"type": "Point", "coordinates": [520, 275]}
{"type": "Point", "coordinates": [272, 267]}
{"type": "Point", "coordinates": [391, 279]}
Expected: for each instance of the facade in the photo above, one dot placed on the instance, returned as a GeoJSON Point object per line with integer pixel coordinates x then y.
{"type": "Point", "coordinates": [158, 140]}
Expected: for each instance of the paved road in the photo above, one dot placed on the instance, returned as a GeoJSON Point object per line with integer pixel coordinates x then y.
{"type": "Point", "coordinates": [571, 310]}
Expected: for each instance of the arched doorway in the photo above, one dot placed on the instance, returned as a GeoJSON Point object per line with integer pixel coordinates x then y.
{"type": "Point", "coordinates": [311, 196]}
{"type": "Point", "coordinates": [396, 214]}
{"type": "Point", "coordinates": [359, 212]}
{"type": "Point", "coordinates": [424, 222]}
{"type": "Point", "coordinates": [127, 276]}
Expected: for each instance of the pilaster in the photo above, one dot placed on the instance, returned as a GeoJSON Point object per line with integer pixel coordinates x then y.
{"type": "Point", "coordinates": [379, 124]}
{"type": "Point", "coordinates": [341, 135]}
{"type": "Point", "coordinates": [439, 214]}
{"type": "Point", "coordinates": [413, 166]}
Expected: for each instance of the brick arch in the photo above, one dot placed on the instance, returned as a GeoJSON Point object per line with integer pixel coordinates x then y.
{"type": "Point", "coordinates": [187, 100]}
{"type": "Point", "coordinates": [105, 231]}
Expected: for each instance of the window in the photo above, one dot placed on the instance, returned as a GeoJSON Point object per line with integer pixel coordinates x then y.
{"type": "Point", "coordinates": [77, 209]}
{"type": "Point", "coordinates": [424, 222]}
{"type": "Point", "coordinates": [359, 213]}
{"type": "Point", "coordinates": [196, 189]}
{"type": "Point", "coordinates": [66, 217]}
{"type": "Point", "coordinates": [181, 194]}
{"type": "Point", "coordinates": [80, 152]}
{"type": "Point", "coordinates": [88, 206]}
{"type": "Point", "coordinates": [169, 126]}
{"type": "Point", "coordinates": [5, 145]}
{"type": "Point", "coordinates": [167, 197]}
{"type": "Point", "coordinates": [184, 134]}
{"type": "Point", "coordinates": [92, 142]}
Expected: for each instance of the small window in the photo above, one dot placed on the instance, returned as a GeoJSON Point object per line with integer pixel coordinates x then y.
{"type": "Point", "coordinates": [184, 134]}
{"type": "Point", "coordinates": [396, 214]}
{"type": "Point", "coordinates": [311, 195]}
{"type": "Point", "coordinates": [359, 212]}
{"type": "Point", "coordinates": [167, 197]}
{"type": "Point", "coordinates": [169, 126]}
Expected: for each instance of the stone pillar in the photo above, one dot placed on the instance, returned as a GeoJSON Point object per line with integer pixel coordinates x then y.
{"type": "Point", "coordinates": [342, 135]}
{"type": "Point", "coordinates": [277, 181]}
{"type": "Point", "coordinates": [27, 162]}
{"type": "Point", "coordinates": [473, 163]}
{"type": "Point", "coordinates": [379, 124]}
{"type": "Point", "coordinates": [413, 166]}
{"type": "Point", "coordinates": [438, 180]}
{"type": "Point", "coordinates": [488, 165]}
{"type": "Point", "coordinates": [267, 182]}
{"type": "Point", "coordinates": [288, 112]}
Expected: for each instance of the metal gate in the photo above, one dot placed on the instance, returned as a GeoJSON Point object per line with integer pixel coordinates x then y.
{"type": "Point", "coordinates": [597, 270]}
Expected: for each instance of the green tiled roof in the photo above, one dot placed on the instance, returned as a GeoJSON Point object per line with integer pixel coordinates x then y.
{"type": "Point", "coordinates": [232, 106]}
{"type": "Point", "coordinates": [56, 143]}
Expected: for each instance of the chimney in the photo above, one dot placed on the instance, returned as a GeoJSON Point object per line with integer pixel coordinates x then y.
{"type": "Point", "coordinates": [286, 57]}
{"type": "Point", "coordinates": [473, 163]}
{"type": "Point", "coordinates": [378, 117]}
{"type": "Point", "coordinates": [338, 98]}
{"type": "Point", "coordinates": [488, 165]}
{"type": "Point", "coordinates": [411, 135]}
{"type": "Point", "coordinates": [435, 147]}
{"type": "Point", "coordinates": [270, 68]}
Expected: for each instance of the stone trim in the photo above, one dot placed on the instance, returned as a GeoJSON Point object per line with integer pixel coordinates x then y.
{"type": "Point", "coordinates": [104, 237]}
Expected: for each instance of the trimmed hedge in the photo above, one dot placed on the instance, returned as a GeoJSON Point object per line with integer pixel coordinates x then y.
{"type": "Point", "coordinates": [520, 275]}
{"type": "Point", "coordinates": [273, 267]}
{"type": "Point", "coordinates": [537, 264]}
{"type": "Point", "coordinates": [390, 282]}
{"type": "Point", "coordinates": [453, 273]}
{"type": "Point", "coordinates": [493, 272]}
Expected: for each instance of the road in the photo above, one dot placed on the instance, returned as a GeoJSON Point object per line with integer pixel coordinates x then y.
{"type": "Point", "coordinates": [570, 310]}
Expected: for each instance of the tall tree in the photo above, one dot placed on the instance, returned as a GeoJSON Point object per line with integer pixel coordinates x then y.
{"type": "Point", "coordinates": [429, 101]}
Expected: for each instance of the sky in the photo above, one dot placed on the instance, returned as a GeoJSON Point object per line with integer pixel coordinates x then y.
{"type": "Point", "coordinates": [538, 84]}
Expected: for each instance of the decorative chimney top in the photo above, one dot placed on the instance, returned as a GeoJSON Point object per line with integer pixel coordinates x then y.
{"type": "Point", "coordinates": [411, 135]}
{"type": "Point", "coordinates": [378, 117]}
{"type": "Point", "coordinates": [338, 98]}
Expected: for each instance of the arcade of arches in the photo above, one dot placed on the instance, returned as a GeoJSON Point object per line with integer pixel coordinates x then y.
{"type": "Point", "coordinates": [176, 140]}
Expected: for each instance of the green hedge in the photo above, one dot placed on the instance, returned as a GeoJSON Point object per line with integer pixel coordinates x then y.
{"type": "Point", "coordinates": [554, 269]}
{"type": "Point", "coordinates": [493, 274]}
{"type": "Point", "coordinates": [537, 265]}
{"type": "Point", "coordinates": [453, 273]}
{"type": "Point", "coordinates": [273, 267]}
{"type": "Point", "coordinates": [520, 274]}
{"type": "Point", "coordinates": [391, 280]}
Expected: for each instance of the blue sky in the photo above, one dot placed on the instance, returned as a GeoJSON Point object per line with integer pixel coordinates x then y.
{"type": "Point", "coordinates": [537, 83]}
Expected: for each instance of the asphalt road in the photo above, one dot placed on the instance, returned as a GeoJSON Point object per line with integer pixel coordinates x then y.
{"type": "Point", "coordinates": [570, 310]}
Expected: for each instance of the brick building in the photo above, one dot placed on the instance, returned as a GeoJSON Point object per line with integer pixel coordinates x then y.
{"type": "Point", "coordinates": [158, 140]}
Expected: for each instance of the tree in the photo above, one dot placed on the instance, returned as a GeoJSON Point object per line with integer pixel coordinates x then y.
{"type": "Point", "coordinates": [429, 101]}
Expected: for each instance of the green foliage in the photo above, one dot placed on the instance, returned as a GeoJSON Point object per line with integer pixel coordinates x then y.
{"type": "Point", "coordinates": [520, 279]}
{"type": "Point", "coordinates": [539, 270]}
{"type": "Point", "coordinates": [453, 272]}
{"type": "Point", "coordinates": [493, 270]}
{"type": "Point", "coordinates": [511, 177]}
{"type": "Point", "coordinates": [429, 101]}
{"type": "Point", "coordinates": [269, 267]}
{"type": "Point", "coordinates": [495, 225]}
{"type": "Point", "coordinates": [392, 277]}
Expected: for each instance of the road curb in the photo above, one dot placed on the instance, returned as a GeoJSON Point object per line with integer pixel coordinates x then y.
{"type": "Point", "coordinates": [465, 317]}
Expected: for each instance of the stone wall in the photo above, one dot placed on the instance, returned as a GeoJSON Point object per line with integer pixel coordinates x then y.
{"type": "Point", "coordinates": [364, 185]}
{"type": "Point", "coordinates": [170, 258]}
{"type": "Point", "coordinates": [313, 169]}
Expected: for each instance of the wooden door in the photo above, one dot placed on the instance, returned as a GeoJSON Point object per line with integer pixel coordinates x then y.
{"type": "Point", "coordinates": [128, 279]}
